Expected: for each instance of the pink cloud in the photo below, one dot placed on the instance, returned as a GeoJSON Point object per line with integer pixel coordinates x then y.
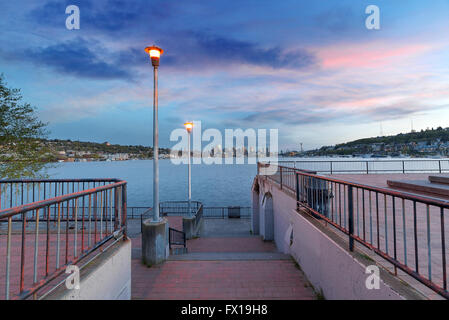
{"type": "Point", "coordinates": [369, 55]}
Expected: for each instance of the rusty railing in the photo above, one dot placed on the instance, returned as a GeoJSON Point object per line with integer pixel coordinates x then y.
{"type": "Point", "coordinates": [408, 230]}
{"type": "Point", "coordinates": [46, 225]}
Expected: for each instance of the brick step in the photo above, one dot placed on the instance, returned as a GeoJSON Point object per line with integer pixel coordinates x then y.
{"type": "Point", "coordinates": [421, 186]}
{"type": "Point", "coordinates": [231, 256]}
{"type": "Point", "coordinates": [439, 179]}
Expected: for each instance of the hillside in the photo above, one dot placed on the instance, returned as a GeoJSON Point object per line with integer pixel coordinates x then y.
{"type": "Point", "coordinates": [68, 149]}
{"type": "Point", "coordinates": [430, 142]}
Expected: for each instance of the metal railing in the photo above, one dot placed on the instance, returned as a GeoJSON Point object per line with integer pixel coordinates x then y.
{"type": "Point", "coordinates": [370, 166]}
{"type": "Point", "coordinates": [407, 230]}
{"type": "Point", "coordinates": [51, 224]}
{"type": "Point", "coordinates": [208, 212]}
{"type": "Point", "coordinates": [198, 216]}
{"type": "Point", "coordinates": [179, 208]}
{"type": "Point", "coordinates": [138, 212]}
{"type": "Point", "coordinates": [176, 237]}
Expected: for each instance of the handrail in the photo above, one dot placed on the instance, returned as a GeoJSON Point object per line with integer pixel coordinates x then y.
{"type": "Point", "coordinates": [366, 165]}
{"type": "Point", "coordinates": [45, 203]}
{"type": "Point", "coordinates": [74, 224]}
{"type": "Point", "coordinates": [179, 207]}
{"type": "Point", "coordinates": [371, 215]}
{"type": "Point", "coordinates": [390, 192]}
{"type": "Point", "coordinates": [176, 237]}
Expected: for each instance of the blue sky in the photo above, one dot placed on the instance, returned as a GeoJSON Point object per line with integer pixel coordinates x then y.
{"type": "Point", "coordinates": [309, 68]}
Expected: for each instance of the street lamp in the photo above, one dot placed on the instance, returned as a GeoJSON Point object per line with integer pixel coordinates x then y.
{"type": "Point", "coordinates": [155, 54]}
{"type": "Point", "coordinates": [189, 127]}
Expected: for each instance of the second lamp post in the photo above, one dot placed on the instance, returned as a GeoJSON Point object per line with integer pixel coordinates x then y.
{"type": "Point", "coordinates": [189, 127]}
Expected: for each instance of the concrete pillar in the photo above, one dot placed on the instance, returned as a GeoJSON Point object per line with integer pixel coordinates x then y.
{"type": "Point", "coordinates": [192, 227]}
{"type": "Point", "coordinates": [154, 241]}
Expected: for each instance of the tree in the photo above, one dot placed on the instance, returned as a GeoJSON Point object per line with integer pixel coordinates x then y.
{"type": "Point", "coordinates": [22, 153]}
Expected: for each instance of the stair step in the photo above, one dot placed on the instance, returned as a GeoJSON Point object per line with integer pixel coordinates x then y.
{"type": "Point", "coordinates": [439, 179]}
{"type": "Point", "coordinates": [178, 251]}
{"type": "Point", "coordinates": [231, 256]}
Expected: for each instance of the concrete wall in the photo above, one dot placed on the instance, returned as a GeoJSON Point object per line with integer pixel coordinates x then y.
{"type": "Point", "coordinates": [107, 277]}
{"type": "Point", "coordinates": [328, 265]}
{"type": "Point", "coordinates": [192, 226]}
{"type": "Point", "coordinates": [255, 223]}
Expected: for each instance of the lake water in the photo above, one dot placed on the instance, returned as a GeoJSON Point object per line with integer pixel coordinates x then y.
{"type": "Point", "coordinates": [214, 185]}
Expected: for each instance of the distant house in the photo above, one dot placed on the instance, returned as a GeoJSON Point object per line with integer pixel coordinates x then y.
{"type": "Point", "coordinates": [377, 146]}
{"type": "Point", "coordinates": [107, 143]}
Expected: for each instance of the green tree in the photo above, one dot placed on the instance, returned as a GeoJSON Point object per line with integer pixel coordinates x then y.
{"type": "Point", "coordinates": [22, 153]}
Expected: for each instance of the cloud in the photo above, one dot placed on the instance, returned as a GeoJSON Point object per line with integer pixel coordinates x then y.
{"type": "Point", "coordinates": [227, 50]}
{"type": "Point", "coordinates": [372, 55]}
{"type": "Point", "coordinates": [339, 18]}
{"type": "Point", "coordinates": [187, 50]}
{"type": "Point", "coordinates": [77, 58]}
{"type": "Point", "coordinates": [107, 16]}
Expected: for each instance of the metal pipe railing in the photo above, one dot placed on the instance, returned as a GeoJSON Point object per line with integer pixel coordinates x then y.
{"type": "Point", "coordinates": [177, 208]}
{"type": "Point", "coordinates": [370, 166]}
{"type": "Point", "coordinates": [52, 224]}
{"type": "Point", "coordinates": [407, 230]}
{"type": "Point", "coordinates": [176, 237]}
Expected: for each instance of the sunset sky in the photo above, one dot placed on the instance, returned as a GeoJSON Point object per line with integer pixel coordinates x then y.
{"type": "Point", "coordinates": [309, 68]}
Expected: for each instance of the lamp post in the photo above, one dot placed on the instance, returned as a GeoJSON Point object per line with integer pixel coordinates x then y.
{"type": "Point", "coordinates": [189, 127]}
{"type": "Point", "coordinates": [155, 54]}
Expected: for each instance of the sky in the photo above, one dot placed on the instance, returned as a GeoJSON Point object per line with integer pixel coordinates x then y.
{"type": "Point", "coordinates": [310, 69]}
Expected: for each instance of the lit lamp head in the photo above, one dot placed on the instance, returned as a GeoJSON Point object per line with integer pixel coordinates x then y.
{"type": "Point", "coordinates": [155, 54]}
{"type": "Point", "coordinates": [189, 126]}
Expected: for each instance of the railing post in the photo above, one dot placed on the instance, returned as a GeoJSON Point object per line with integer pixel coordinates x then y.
{"type": "Point", "coordinates": [351, 218]}
{"type": "Point", "coordinates": [367, 168]}
{"type": "Point", "coordinates": [297, 189]}
{"type": "Point", "coordinates": [403, 166]}
{"type": "Point", "coordinates": [169, 238]}
{"type": "Point", "coordinates": [439, 165]}
{"type": "Point", "coordinates": [124, 214]}
{"type": "Point", "coordinates": [280, 174]}
{"type": "Point", "coordinates": [115, 208]}
{"type": "Point", "coordinates": [331, 166]}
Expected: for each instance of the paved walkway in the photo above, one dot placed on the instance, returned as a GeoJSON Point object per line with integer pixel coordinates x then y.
{"type": "Point", "coordinates": [233, 266]}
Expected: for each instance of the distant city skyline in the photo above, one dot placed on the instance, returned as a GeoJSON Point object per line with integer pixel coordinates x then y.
{"type": "Point", "coordinates": [308, 68]}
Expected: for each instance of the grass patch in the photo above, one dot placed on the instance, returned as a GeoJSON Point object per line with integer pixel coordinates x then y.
{"type": "Point", "coordinates": [367, 257]}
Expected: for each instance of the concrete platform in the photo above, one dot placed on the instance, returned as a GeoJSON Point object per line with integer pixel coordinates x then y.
{"type": "Point", "coordinates": [220, 228]}
{"type": "Point", "coordinates": [421, 186]}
